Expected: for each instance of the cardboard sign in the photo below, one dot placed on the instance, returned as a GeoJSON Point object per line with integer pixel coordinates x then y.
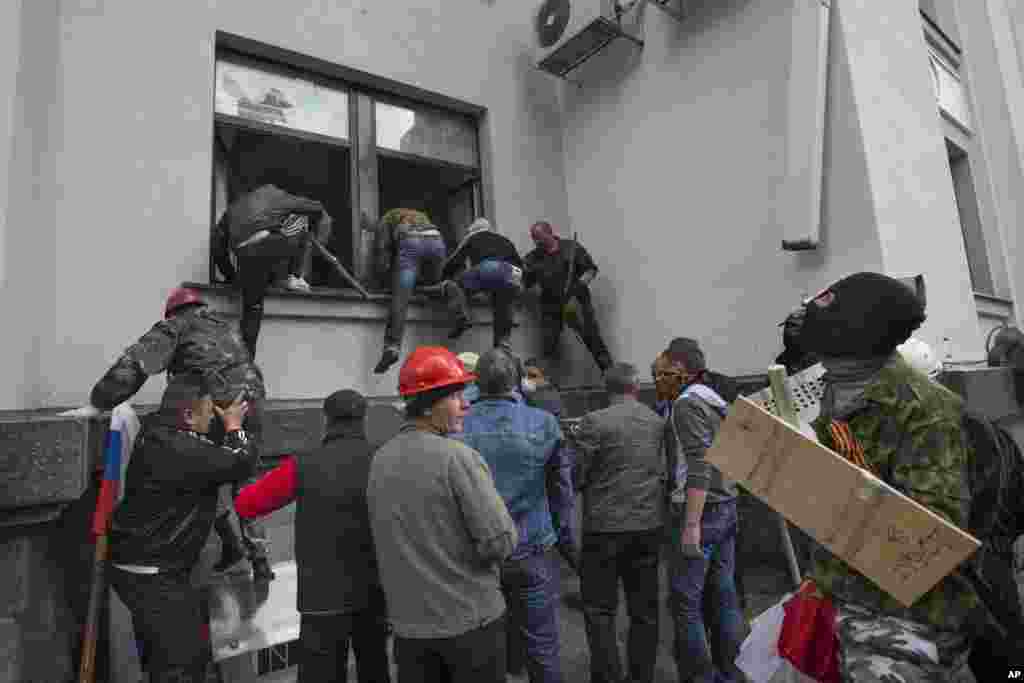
{"type": "Point", "coordinates": [902, 546]}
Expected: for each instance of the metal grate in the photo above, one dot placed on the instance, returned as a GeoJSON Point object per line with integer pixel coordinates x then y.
{"type": "Point", "coordinates": [805, 387]}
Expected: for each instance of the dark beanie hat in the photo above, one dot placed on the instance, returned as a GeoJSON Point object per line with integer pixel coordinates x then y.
{"type": "Point", "coordinates": [860, 316]}
{"type": "Point", "coordinates": [345, 405]}
{"type": "Point", "coordinates": [418, 404]}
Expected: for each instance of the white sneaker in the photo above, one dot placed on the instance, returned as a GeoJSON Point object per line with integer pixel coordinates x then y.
{"type": "Point", "coordinates": [297, 284]}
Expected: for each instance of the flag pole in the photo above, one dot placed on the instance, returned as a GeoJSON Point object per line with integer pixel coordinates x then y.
{"type": "Point", "coordinates": [105, 501]}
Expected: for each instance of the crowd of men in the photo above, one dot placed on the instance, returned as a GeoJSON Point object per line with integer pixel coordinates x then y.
{"type": "Point", "coordinates": [449, 535]}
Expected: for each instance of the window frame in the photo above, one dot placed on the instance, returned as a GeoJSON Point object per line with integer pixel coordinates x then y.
{"type": "Point", "coordinates": [360, 87]}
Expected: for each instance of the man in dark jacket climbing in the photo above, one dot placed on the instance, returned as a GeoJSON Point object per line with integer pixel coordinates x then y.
{"type": "Point", "coordinates": [269, 230]}
{"type": "Point", "coordinates": [160, 527]}
{"type": "Point", "coordinates": [495, 268]}
{"type": "Point", "coordinates": [193, 339]}
{"type": "Point", "coordinates": [563, 269]}
{"type": "Point", "coordinates": [340, 596]}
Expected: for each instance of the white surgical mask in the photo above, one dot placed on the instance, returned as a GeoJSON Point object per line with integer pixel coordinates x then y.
{"type": "Point", "coordinates": [528, 386]}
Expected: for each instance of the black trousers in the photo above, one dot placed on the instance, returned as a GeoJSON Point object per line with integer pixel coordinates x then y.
{"type": "Point", "coordinates": [258, 265]}
{"type": "Point", "coordinates": [325, 639]}
{"type": "Point", "coordinates": [631, 557]}
{"type": "Point", "coordinates": [171, 623]}
{"type": "Point", "coordinates": [552, 325]}
{"type": "Point", "coordinates": [477, 656]}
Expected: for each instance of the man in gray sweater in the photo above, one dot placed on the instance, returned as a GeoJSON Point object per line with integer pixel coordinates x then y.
{"type": "Point", "coordinates": [441, 532]}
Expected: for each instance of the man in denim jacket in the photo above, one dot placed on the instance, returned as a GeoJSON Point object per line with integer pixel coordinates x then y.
{"type": "Point", "coordinates": [533, 473]}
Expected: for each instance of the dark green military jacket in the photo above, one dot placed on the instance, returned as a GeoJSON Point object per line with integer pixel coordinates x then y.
{"type": "Point", "coordinates": [196, 340]}
{"type": "Point", "coordinates": [910, 430]}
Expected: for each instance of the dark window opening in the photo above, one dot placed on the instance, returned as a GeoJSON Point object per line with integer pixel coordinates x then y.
{"type": "Point", "coordinates": [308, 168]}
{"type": "Point", "coordinates": [277, 658]}
{"type": "Point", "coordinates": [447, 193]}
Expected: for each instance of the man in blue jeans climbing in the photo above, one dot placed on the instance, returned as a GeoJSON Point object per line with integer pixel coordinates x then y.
{"type": "Point", "coordinates": [415, 251]}
{"type": "Point", "coordinates": [532, 469]}
{"type": "Point", "coordinates": [495, 268]}
{"type": "Point", "coordinates": [705, 602]}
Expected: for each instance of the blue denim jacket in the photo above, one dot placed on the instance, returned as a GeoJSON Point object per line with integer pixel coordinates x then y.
{"type": "Point", "coordinates": [532, 468]}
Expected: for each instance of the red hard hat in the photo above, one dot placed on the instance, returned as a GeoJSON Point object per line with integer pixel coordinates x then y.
{"type": "Point", "coordinates": [181, 296]}
{"type": "Point", "coordinates": [431, 367]}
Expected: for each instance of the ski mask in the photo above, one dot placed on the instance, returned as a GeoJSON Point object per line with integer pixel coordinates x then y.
{"type": "Point", "coordinates": [864, 315]}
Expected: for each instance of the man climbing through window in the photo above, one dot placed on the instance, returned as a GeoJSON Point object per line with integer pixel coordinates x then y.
{"type": "Point", "coordinates": [413, 249]}
{"type": "Point", "coordinates": [495, 268]}
{"type": "Point", "coordinates": [270, 232]}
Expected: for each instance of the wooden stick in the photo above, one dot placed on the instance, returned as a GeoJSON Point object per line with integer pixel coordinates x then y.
{"type": "Point", "coordinates": [97, 593]}
{"type": "Point", "coordinates": [340, 269]}
{"type": "Point", "coordinates": [787, 411]}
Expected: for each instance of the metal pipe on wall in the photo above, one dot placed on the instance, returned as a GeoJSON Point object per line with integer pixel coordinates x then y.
{"type": "Point", "coordinates": [800, 209]}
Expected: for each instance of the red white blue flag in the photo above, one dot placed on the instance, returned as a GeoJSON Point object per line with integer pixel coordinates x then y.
{"type": "Point", "coordinates": [124, 425]}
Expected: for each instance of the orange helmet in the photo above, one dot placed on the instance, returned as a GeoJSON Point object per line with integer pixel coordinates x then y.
{"type": "Point", "coordinates": [431, 367]}
{"type": "Point", "coordinates": [181, 296]}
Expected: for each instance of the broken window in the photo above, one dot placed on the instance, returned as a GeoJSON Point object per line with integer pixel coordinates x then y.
{"type": "Point", "coordinates": [428, 160]}
{"type": "Point", "coordinates": [307, 134]}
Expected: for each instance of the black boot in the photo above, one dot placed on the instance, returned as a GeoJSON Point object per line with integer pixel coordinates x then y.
{"type": "Point", "coordinates": [388, 358]}
{"type": "Point", "coordinates": [231, 549]}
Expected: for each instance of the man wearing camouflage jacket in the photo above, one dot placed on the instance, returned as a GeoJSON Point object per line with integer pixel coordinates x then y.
{"type": "Point", "coordinates": [908, 432]}
{"type": "Point", "coordinates": [192, 339]}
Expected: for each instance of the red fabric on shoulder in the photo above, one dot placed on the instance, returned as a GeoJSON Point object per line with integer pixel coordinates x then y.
{"type": "Point", "coordinates": [272, 492]}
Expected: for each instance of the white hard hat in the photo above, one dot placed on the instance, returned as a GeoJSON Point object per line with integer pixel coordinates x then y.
{"type": "Point", "coordinates": [469, 360]}
{"type": "Point", "coordinates": [478, 225]}
{"type": "Point", "coordinates": [920, 356]}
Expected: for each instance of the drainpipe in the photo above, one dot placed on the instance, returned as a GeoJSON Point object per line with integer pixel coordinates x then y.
{"type": "Point", "coordinates": [800, 211]}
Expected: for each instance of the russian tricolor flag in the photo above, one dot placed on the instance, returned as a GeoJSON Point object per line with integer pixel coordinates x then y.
{"type": "Point", "coordinates": [124, 425]}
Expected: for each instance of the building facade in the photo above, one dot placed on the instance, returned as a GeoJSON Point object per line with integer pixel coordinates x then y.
{"type": "Point", "coordinates": [124, 125]}
{"type": "Point", "coordinates": [891, 133]}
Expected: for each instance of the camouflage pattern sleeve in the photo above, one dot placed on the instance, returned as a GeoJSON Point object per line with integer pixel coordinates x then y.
{"type": "Point", "coordinates": [911, 435]}
{"type": "Point", "coordinates": [148, 356]}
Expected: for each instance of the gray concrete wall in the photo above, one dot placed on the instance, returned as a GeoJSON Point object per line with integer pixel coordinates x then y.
{"type": "Point", "coordinates": [675, 165]}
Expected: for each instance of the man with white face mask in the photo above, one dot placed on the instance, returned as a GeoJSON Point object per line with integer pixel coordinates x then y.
{"type": "Point", "coordinates": [538, 391]}
{"type": "Point", "coordinates": [441, 532]}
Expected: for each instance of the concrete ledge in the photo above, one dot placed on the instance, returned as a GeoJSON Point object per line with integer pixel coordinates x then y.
{"type": "Point", "coordinates": [335, 304]}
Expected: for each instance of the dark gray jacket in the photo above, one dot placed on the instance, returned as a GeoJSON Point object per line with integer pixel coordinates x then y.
{"type": "Point", "coordinates": [333, 542]}
{"type": "Point", "coordinates": [621, 468]}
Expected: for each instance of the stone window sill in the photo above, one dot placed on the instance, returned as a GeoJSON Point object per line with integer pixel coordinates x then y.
{"type": "Point", "coordinates": [334, 304]}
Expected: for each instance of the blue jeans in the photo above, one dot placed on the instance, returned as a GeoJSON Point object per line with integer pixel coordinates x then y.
{"type": "Point", "coordinates": [706, 590]}
{"type": "Point", "coordinates": [504, 282]}
{"type": "Point", "coordinates": [419, 260]}
{"type": "Point", "coordinates": [530, 586]}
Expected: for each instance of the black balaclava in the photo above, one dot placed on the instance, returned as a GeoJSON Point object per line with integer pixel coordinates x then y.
{"type": "Point", "coordinates": [864, 315]}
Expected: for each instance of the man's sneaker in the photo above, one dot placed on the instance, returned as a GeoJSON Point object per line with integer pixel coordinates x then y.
{"type": "Point", "coordinates": [387, 359]}
{"type": "Point", "coordinates": [460, 328]}
{"type": "Point", "coordinates": [296, 284]}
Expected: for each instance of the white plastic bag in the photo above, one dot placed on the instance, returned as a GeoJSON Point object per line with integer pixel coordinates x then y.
{"type": "Point", "coordinates": [759, 655]}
